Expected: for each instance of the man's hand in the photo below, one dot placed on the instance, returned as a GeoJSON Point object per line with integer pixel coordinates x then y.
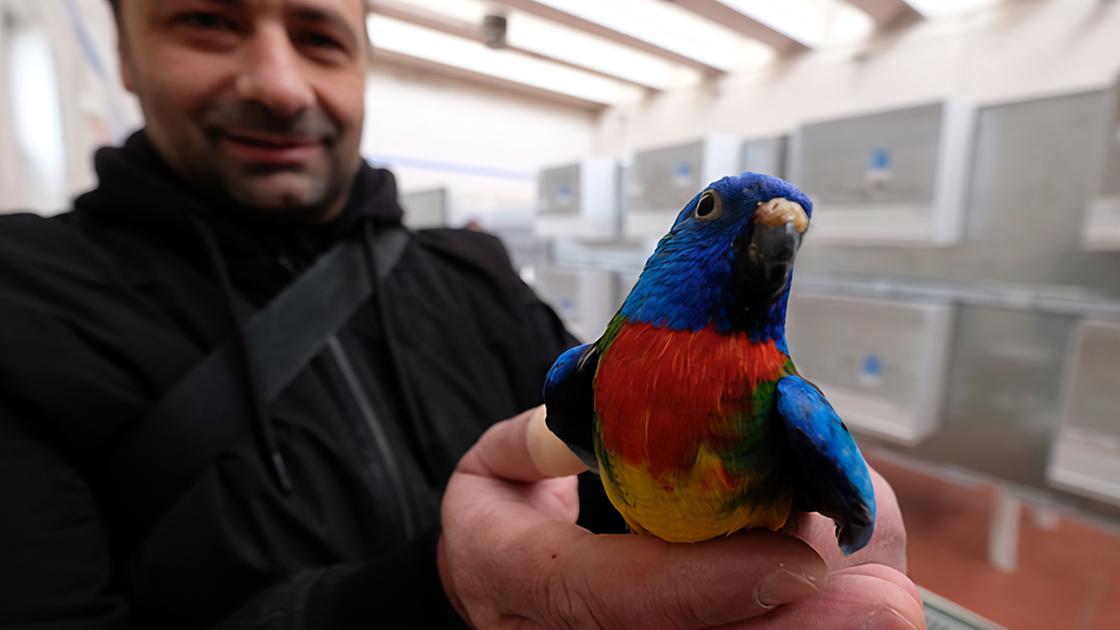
{"type": "Point", "coordinates": [511, 556]}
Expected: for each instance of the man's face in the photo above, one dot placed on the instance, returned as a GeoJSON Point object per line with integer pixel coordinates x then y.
{"type": "Point", "coordinates": [259, 99]}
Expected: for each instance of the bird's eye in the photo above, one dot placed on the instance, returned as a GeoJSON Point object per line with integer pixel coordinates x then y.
{"type": "Point", "coordinates": [708, 206]}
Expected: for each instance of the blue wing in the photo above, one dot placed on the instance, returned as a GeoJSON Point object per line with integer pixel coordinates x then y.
{"type": "Point", "coordinates": [830, 475]}
{"type": "Point", "coordinates": [570, 399]}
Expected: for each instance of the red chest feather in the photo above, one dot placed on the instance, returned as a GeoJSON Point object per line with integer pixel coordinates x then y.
{"type": "Point", "coordinates": [659, 393]}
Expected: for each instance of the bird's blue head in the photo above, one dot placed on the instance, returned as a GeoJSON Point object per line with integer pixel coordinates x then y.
{"type": "Point", "coordinates": [727, 262]}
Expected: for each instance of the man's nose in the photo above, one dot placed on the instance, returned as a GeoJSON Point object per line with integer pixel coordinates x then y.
{"type": "Point", "coordinates": [273, 74]}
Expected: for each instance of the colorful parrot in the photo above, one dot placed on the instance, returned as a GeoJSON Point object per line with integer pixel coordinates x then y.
{"type": "Point", "coordinates": [689, 406]}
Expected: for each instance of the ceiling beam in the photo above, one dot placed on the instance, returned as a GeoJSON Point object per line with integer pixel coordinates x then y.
{"type": "Point", "coordinates": [744, 24]}
{"type": "Point", "coordinates": [887, 13]}
{"type": "Point", "coordinates": [403, 61]}
{"type": "Point", "coordinates": [467, 30]}
{"type": "Point", "coordinates": [548, 12]}
{"type": "Point", "coordinates": [428, 19]}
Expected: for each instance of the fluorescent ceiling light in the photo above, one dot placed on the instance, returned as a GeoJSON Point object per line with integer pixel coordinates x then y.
{"type": "Point", "coordinates": [466, 10]}
{"type": "Point", "coordinates": [671, 28]}
{"type": "Point", "coordinates": [448, 50]}
{"type": "Point", "coordinates": [583, 49]}
{"type": "Point", "coordinates": [814, 23]}
{"type": "Point", "coordinates": [571, 45]}
{"type": "Point", "coordinates": [949, 8]}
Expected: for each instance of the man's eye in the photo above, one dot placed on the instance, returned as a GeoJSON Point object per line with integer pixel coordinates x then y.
{"type": "Point", "coordinates": [206, 21]}
{"type": "Point", "coordinates": [318, 40]}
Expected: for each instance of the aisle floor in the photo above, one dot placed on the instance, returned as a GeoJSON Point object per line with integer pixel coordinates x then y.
{"type": "Point", "coordinates": [1067, 577]}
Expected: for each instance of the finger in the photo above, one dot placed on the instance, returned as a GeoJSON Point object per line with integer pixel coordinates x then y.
{"type": "Point", "coordinates": [869, 596]}
{"type": "Point", "coordinates": [639, 581]}
{"type": "Point", "coordinates": [887, 573]}
{"type": "Point", "coordinates": [887, 545]}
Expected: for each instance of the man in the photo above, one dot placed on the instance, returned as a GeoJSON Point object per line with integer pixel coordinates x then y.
{"type": "Point", "coordinates": [316, 505]}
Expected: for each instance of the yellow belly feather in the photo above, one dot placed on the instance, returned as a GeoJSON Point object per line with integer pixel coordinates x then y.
{"type": "Point", "coordinates": [692, 505]}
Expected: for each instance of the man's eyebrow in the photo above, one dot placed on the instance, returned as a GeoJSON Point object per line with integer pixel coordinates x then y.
{"type": "Point", "coordinates": [324, 16]}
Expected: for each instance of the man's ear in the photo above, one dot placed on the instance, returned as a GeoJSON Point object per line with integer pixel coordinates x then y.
{"type": "Point", "coordinates": [125, 65]}
{"type": "Point", "coordinates": [124, 59]}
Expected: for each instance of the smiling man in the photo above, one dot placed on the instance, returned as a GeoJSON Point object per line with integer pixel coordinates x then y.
{"type": "Point", "coordinates": [261, 100]}
{"type": "Point", "coordinates": [236, 393]}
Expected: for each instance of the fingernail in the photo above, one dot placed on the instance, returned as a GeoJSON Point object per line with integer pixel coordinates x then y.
{"type": "Point", "coordinates": [887, 619]}
{"type": "Point", "coordinates": [784, 586]}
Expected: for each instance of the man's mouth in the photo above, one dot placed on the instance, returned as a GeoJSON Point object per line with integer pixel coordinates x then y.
{"type": "Point", "coordinates": [271, 149]}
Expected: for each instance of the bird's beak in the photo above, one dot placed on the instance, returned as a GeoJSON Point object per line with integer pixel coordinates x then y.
{"type": "Point", "coordinates": [779, 226]}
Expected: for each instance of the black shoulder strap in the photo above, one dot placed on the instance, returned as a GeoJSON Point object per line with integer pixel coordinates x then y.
{"type": "Point", "coordinates": [292, 329]}
{"type": "Point", "coordinates": [157, 459]}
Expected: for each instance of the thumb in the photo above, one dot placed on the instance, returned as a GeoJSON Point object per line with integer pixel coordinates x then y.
{"type": "Point", "coordinates": [521, 449]}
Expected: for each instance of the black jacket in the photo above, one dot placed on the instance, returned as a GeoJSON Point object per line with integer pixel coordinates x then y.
{"type": "Point", "coordinates": [104, 309]}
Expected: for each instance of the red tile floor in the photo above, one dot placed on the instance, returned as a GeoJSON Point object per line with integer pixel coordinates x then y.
{"type": "Point", "coordinates": [1067, 577]}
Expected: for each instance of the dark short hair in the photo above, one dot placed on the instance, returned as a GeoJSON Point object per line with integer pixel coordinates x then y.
{"type": "Point", "coordinates": [116, 4]}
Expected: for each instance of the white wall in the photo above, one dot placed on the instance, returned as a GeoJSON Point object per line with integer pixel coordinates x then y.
{"type": "Point", "coordinates": [1024, 49]}
{"type": "Point", "coordinates": [483, 143]}
{"type": "Point", "coordinates": [93, 106]}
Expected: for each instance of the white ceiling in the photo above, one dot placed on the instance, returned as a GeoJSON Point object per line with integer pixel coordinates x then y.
{"type": "Point", "coordinates": [601, 53]}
